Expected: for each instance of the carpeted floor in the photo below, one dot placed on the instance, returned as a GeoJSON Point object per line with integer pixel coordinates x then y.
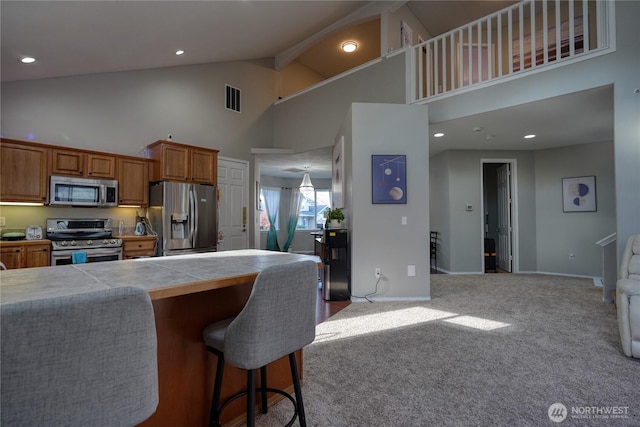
{"type": "Point", "coordinates": [488, 350]}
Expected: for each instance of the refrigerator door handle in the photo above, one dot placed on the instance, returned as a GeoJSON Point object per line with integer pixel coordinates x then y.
{"type": "Point", "coordinates": [192, 217]}
{"type": "Point", "coordinates": [196, 215]}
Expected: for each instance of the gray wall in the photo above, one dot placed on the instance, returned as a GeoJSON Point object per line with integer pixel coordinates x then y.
{"type": "Point", "coordinates": [378, 238]}
{"type": "Point", "coordinates": [561, 233]}
{"type": "Point", "coordinates": [122, 112]}
{"type": "Point", "coordinates": [546, 235]}
{"type": "Point", "coordinates": [458, 184]}
{"type": "Point", "coordinates": [125, 111]}
{"type": "Point", "coordinates": [311, 120]}
{"type": "Point", "coordinates": [439, 207]}
{"type": "Point", "coordinates": [619, 68]}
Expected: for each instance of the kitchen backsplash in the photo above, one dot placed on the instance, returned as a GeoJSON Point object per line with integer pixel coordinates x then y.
{"type": "Point", "coordinates": [19, 217]}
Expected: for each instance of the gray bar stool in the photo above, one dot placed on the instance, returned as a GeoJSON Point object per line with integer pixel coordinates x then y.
{"type": "Point", "coordinates": [88, 359]}
{"type": "Point", "coordinates": [277, 320]}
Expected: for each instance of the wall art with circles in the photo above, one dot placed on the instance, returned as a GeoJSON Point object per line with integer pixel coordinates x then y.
{"type": "Point", "coordinates": [389, 179]}
{"type": "Point", "coordinates": [579, 194]}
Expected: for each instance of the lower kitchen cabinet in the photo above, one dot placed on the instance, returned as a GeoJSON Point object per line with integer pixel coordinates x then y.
{"type": "Point", "coordinates": [25, 253]}
{"type": "Point", "coordinates": [138, 246]}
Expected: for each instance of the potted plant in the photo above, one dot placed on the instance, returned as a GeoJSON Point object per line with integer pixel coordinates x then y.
{"type": "Point", "coordinates": [335, 218]}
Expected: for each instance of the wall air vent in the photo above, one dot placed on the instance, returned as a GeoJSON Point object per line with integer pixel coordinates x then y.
{"type": "Point", "coordinates": [232, 98]}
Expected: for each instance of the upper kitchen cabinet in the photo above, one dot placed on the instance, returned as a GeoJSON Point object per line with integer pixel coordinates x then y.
{"type": "Point", "coordinates": [83, 163]}
{"type": "Point", "coordinates": [133, 181]}
{"type": "Point", "coordinates": [23, 175]}
{"type": "Point", "coordinates": [179, 162]}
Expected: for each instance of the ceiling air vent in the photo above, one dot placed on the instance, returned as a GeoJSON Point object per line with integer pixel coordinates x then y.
{"type": "Point", "coordinates": [232, 98]}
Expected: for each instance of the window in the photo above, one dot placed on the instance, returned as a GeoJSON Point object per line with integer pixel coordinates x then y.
{"type": "Point", "coordinates": [311, 215]}
{"type": "Point", "coordinates": [274, 198]}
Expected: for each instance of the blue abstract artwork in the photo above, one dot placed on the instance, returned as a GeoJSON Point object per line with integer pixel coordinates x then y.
{"type": "Point", "coordinates": [579, 194]}
{"type": "Point", "coordinates": [389, 179]}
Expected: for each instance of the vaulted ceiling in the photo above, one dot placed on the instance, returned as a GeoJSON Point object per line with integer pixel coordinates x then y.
{"type": "Point", "coordinates": [84, 37]}
{"type": "Point", "coordinates": [71, 38]}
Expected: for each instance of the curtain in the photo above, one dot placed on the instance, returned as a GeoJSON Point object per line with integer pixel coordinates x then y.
{"type": "Point", "coordinates": [294, 212]}
{"type": "Point", "coordinates": [272, 204]}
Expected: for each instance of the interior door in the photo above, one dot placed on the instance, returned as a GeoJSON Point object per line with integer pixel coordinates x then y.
{"type": "Point", "coordinates": [503, 250]}
{"type": "Point", "coordinates": [233, 205]}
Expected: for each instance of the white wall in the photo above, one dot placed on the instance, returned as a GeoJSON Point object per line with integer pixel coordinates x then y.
{"type": "Point", "coordinates": [378, 238]}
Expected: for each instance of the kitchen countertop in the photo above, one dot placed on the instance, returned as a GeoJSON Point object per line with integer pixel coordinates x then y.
{"type": "Point", "coordinates": [133, 236]}
{"type": "Point", "coordinates": [24, 242]}
{"type": "Point", "coordinates": [162, 277]}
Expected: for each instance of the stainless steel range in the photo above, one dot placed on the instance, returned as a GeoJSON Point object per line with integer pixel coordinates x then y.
{"type": "Point", "coordinates": [91, 236]}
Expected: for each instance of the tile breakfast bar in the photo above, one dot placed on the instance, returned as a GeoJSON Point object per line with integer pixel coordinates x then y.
{"type": "Point", "coordinates": [188, 292]}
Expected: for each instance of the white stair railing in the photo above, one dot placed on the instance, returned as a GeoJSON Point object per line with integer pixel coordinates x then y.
{"type": "Point", "coordinates": [519, 39]}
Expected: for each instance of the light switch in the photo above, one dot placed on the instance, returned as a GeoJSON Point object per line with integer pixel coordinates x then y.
{"type": "Point", "coordinates": [411, 270]}
{"type": "Point", "coordinates": [404, 220]}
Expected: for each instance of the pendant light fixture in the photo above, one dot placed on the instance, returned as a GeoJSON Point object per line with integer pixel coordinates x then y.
{"type": "Point", "coordinates": [306, 187]}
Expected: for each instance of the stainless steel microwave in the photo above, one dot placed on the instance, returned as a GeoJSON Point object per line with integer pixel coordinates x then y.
{"type": "Point", "coordinates": [72, 191]}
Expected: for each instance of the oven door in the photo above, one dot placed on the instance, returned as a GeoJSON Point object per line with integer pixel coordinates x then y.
{"type": "Point", "coordinates": [93, 255]}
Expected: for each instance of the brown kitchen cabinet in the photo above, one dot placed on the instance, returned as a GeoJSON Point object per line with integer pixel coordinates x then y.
{"type": "Point", "coordinates": [25, 253]}
{"type": "Point", "coordinates": [133, 181]}
{"type": "Point", "coordinates": [137, 246]}
{"type": "Point", "coordinates": [83, 163]}
{"type": "Point", "coordinates": [24, 172]}
{"type": "Point", "coordinates": [179, 162]}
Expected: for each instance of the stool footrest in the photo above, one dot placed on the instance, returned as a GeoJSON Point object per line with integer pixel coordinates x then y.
{"type": "Point", "coordinates": [262, 390]}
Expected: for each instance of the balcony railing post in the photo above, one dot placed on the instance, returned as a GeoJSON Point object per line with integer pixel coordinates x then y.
{"type": "Point", "coordinates": [585, 26]}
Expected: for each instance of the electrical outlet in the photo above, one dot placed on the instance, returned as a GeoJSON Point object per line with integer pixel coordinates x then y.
{"type": "Point", "coordinates": [377, 273]}
{"type": "Point", "coordinates": [2, 221]}
{"type": "Point", "coordinates": [572, 256]}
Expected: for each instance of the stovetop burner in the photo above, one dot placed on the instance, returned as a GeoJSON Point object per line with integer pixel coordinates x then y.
{"type": "Point", "coordinates": [75, 234]}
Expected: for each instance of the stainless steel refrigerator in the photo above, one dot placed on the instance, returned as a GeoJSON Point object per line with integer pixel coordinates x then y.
{"type": "Point", "coordinates": [184, 216]}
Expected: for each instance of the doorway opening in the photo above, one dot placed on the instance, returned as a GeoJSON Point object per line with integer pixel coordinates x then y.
{"type": "Point", "coordinates": [499, 227]}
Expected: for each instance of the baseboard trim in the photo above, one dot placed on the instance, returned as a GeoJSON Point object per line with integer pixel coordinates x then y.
{"type": "Point", "coordinates": [391, 299]}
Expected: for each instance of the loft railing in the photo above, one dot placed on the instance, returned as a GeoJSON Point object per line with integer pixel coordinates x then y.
{"type": "Point", "coordinates": [519, 39]}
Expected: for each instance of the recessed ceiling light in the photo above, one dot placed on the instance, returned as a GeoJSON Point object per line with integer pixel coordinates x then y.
{"type": "Point", "coordinates": [438, 135]}
{"type": "Point", "coordinates": [27, 60]}
{"type": "Point", "coordinates": [529, 136]}
{"type": "Point", "coordinates": [349, 46]}
{"type": "Point", "coordinates": [179, 52]}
